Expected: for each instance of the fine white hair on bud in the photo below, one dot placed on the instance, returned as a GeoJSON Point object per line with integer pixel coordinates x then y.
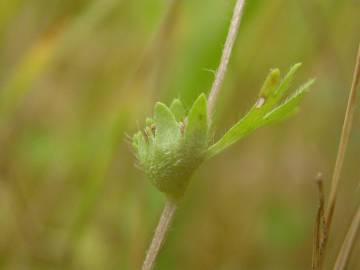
{"type": "Point", "coordinates": [176, 149]}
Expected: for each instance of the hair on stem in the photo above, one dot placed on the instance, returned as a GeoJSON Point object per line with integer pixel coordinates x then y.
{"type": "Point", "coordinates": [229, 44]}
{"type": "Point", "coordinates": [159, 235]}
{"type": "Point", "coordinates": [171, 206]}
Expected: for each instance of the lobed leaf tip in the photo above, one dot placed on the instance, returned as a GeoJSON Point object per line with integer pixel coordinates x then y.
{"type": "Point", "coordinates": [159, 106]}
{"type": "Point", "coordinates": [199, 104]}
{"type": "Point", "coordinates": [274, 76]}
{"type": "Point", "coordinates": [296, 66]}
{"type": "Point", "coordinates": [176, 101]}
{"type": "Point", "coordinates": [311, 82]}
{"type": "Point", "coordinates": [177, 108]}
{"type": "Point", "coordinates": [306, 86]}
{"type": "Point", "coordinates": [275, 71]}
{"type": "Point", "coordinates": [149, 121]}
{"type": "Point", "coordinates": [203, 96]}
{"type": "Point", "coordinates": [270, 83]}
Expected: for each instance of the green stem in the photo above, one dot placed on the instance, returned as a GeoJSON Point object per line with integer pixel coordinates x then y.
{"type": "Point", "coordinates": [160, 234]}
{"type": "Point", "coordinates": [229, 44]}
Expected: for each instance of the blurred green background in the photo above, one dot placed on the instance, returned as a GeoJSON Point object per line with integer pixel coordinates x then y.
{"type": "Point", "coordinates": [78, 77]}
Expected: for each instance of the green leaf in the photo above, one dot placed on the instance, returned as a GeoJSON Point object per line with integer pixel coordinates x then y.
{"type": "Point", "coordinates": [262, 113]}
{"type": "Point", "coordinates": [286, 81]}
{"type": "Point", "coordinates": [270, 84]}
{"type": "Point", "coordinates": [167, 129]}
{"type": "Point", "coordinates": [149, 121]}
{"type": "Point", "coordinates": [140, 145]}
{"type": "Point", "coordinates": [178, 109]}
{"type": "Point", "coordinates": [197, 126]}
{"type": "Point", "coordinates": [242, 128]}
{"type": "Point", "coordinates": [289, 107]}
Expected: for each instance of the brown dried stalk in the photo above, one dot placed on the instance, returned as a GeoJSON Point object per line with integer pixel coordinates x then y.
{"type": "Point", "coordinates": [348, 245]}
{"type": "Point", "coordinates": [319, 225]}
{"type": "Point", "coordinates": [344, 139]}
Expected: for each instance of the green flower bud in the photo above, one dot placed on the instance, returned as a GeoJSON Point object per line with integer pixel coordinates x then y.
{"type": "Point", "coordinates": [173, 146]}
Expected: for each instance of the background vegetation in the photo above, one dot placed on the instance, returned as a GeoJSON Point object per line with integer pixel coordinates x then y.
{"type": "Point", "coordinates": [76, 77]}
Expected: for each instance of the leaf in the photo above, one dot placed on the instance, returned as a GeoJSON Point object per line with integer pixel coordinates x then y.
{"type": "Point", "coordinates": [140, 145]}
{"type": "Point", "coordinates": [262, 113]}
{"type": "Point", "coordinates": [252, 119]}
{"type": "Point", "coordinates": [242, 128]}
{"type": "Point", "coordinates": [178, 109]}
{"type": "Point", "coordinates": [285, 83]}
{"type": "Point", "coordinates": [149, 121]}
{"type": "Point", "coordinates": [289, 107]}
{"type": "Point", "coordinates": [167, 129]}
{"type": "Point", "coordinates": [271, 83]}
{"type": "Point", "coordinates": [263, 103]}
{"type": "Point", "coordinates": [197, 126]}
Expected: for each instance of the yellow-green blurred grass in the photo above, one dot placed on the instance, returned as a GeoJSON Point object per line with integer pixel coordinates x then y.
{"type": "Point", "coordinates": [67, 173]}
{"type": "Point", "coordinates": [52, 45]}
{"type": "Point", "coordinates": [37, 62]}
{"type": "Point", "coordinates": [99, 147]}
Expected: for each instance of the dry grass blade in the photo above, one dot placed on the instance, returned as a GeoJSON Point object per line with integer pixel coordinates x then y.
{"type": "Point", "coordinates": [345, 134]}
{"type": "Point", "coordinates": [344, 139]}
{"type": "Point", "coordinates": [345, 251]}
{"type": "Point", "coordinates": [319, 226]}
{"type": "Point", "coordinates": [315, 249]}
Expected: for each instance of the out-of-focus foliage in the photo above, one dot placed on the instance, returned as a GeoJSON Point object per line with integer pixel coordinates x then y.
{"type": "Point", "coordinates": [75, 77]}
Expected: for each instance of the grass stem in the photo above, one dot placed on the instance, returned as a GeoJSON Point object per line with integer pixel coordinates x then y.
{"type": "Point", "coordinates": [344, 139]}
{"type": "Point", "coordinates": [345, 134]}
{"type": "Point", "coordinates": [319, 225]}
{"type": "Point", "coordinates": [170, 207]}
{"type": "Point", "coordinates": [229, 44]}
{"type": "Point", "coordinates": [345, 251]}
{"type": "Point", "coordinates": [159, 235]}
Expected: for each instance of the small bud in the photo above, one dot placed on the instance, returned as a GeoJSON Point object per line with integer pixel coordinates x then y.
{"type": "Point", "coordinates": [270, 84]}
{"type": "Point", "coordinates": [149, 121]}
{"type": "Point", "coordinates": [178, 109]}
{"type": "Point", "coordinates": [171, 149]}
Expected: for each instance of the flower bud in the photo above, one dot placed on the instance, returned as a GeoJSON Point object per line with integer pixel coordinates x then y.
{"type": "Point", "coordinates": [174, 146]}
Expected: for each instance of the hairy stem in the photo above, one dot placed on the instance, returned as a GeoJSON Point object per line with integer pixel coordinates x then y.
{"type": "Point", "coordinates": [344, 139]}
{"type": "Point", "coordinates": [159, 235]}
{"type": "Point", "coordinates": [170, 207]}
{"type": "Point", "coordinates": [229, 44]}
